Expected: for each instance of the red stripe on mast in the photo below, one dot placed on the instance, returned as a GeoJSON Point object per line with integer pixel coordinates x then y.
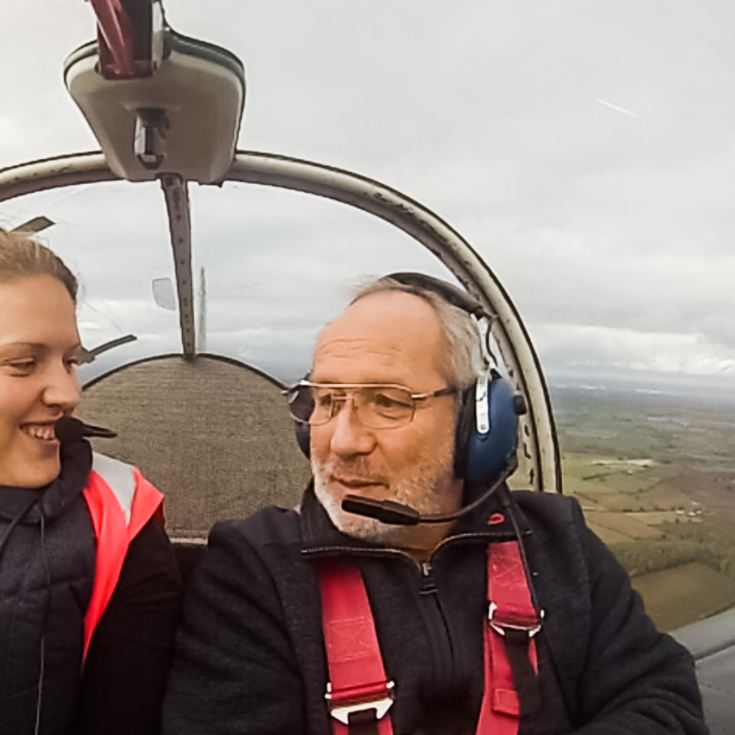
{"type": "Point", "coordinates": [124, 37]}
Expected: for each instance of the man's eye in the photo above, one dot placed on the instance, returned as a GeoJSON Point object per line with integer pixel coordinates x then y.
{"type": "Point", "coordinates": [391, 401]}
{"type": "Point", "coordinates": [323, 399]}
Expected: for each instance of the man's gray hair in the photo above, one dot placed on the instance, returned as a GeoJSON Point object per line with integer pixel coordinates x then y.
{"type": "Point", "coordinates": [463, 361]}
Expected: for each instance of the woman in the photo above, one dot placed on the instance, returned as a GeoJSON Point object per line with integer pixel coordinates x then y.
{"type": "Point", "coordinates": [89, 588]}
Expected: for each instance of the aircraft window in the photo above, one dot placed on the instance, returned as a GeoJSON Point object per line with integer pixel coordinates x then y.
{"type": "Point", "coordinates": [654, 472]}
{"type": "Point", "coordinates": [272, 266]}
{"type": "Point", "coordinates": [114, 237]}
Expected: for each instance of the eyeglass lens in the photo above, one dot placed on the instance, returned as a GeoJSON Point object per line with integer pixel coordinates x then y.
{"type": "Point", "coordinates": [376, 407]}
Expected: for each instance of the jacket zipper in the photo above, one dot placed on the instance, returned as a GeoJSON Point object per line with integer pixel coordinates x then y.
{"type": "Point", "coordinates": [438, 630]}
{"type": "Point", "coordinates": [427, 580]}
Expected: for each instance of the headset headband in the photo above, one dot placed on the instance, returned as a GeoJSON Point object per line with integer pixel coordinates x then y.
{"type": "Point", "coordinates": [455, 296]}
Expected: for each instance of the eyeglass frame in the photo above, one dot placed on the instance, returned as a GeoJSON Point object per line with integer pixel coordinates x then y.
{"type": "Point", "coordinates": [416, 399]}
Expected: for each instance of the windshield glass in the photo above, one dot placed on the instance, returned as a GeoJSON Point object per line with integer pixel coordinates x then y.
{"type": "Point", "coordinates": [268, 283]}
{"type": "Point", "coordinates": [114, 236]}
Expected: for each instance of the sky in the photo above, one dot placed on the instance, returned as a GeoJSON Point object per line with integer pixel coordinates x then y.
{"type": "Point", "coordinates": [586, 149]}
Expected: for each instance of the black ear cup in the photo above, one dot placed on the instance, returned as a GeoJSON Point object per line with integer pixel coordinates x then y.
{"type": "Point", "coordinates": [303, 437]}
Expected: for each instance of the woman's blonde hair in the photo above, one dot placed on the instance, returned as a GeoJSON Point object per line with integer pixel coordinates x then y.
{"type": "Point", "coordinates": [22, 256]}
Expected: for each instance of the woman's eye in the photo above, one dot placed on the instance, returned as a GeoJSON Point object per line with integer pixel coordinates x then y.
{"type": "Point", "coordinates": [23, 366]}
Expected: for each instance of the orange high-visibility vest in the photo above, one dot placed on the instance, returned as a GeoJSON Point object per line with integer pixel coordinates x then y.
{"type": "Point", "coordinates": [120, 501]}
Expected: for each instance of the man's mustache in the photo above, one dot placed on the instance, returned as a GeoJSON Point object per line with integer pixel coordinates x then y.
{"type": "Point", "coordinates": [358, 469]}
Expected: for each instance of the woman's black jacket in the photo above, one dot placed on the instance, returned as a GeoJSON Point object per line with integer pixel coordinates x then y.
{"type": "Point", "coordinates": [47, 562]}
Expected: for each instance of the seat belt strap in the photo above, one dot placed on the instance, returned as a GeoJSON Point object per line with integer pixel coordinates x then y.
{"type": "Point", "coordinates": [358, 694]}
{"type": "Point", "coordinates": [511, 662]}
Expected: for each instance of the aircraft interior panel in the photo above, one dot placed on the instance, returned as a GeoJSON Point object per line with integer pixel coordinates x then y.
{"type": "Point", "coordinates": [712, 643]}
{"type": "Point", "coordinates": [213, 434]}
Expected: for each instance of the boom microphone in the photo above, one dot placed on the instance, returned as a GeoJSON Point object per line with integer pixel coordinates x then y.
{"type": "Point", "coordinates": [69, 429]}
{"type": "Point", "coordinates": [398, 514]}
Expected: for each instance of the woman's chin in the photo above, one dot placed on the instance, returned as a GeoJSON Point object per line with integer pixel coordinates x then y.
{"type": "Point", "coordinates": [34, 475]}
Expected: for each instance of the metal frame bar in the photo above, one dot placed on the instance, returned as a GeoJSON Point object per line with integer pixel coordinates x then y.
{"type": "Point", "coordinates": [176, 193]}
{"type": "Point", "coordinates": [538, 428]}
{"type": "Point", "coordinates": [52, 173]}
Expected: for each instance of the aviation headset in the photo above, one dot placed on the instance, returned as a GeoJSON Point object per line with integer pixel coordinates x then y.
{"type": "Point", "coordinates": [486, 441]}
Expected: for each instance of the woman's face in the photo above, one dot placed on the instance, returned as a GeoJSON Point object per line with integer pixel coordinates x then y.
{"type": "Point", "coordinates": [39, 349]}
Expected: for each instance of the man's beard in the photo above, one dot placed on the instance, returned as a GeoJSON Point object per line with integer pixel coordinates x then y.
{"type": "Point", "coordinates": [425, 485]}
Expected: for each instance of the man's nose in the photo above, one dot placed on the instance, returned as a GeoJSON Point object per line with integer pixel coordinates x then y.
{"type": "Point", "coordinates": [62, 388]}
{"type": "Point", "coordinates": [349, 436]}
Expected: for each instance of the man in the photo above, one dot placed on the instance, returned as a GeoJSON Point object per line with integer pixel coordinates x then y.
{"type": "Point", "coordinates": [381, 405]}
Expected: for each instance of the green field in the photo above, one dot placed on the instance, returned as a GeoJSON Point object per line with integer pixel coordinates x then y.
{"type": "Point", "coordinates": [676, 595]}
{"type": "Point", "coordinates": [655, 475]}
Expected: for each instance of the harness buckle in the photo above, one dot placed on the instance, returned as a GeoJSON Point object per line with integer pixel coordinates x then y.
{"type": "Point", "coordinates": [341, 708]}
{"type": "Point", "coordinates": [501, 625]}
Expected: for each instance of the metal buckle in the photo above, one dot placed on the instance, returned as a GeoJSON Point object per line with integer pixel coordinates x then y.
{"type": "Point", "coordinates": [501, 627]}
{"type": "Point", "coordinates": [342, 712]}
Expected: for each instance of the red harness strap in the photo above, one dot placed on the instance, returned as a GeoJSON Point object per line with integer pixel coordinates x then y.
{"type": "Point", "coordinates": [359, 693]}
{"type": "Point", "coordinates": [510, 650]}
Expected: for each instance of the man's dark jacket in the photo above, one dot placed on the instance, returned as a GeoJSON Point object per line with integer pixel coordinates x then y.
{"type": "Point", "coordinates": [250, 657]}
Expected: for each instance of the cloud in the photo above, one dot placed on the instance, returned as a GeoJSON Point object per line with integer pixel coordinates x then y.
{"type": "Point", "coordinates": [570, 347]}
{"type": "Point", "coordinates": [45, 121]}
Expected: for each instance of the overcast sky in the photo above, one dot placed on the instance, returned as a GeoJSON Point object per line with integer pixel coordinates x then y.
{"type": "Point", "coordinates": [586, 149]}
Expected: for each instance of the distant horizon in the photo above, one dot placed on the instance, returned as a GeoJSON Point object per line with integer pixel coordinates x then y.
{"type": "Point", "coordinates": [644, 381]}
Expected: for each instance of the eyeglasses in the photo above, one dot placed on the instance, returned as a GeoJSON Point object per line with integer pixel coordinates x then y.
{"type": "Point", "coordinates": [377, 406]}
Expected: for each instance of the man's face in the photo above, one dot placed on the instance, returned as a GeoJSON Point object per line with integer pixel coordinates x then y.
{"type": "Point", "coordinates": [39, 346]}
{"type": "Point", "coordinates": [394, 338]}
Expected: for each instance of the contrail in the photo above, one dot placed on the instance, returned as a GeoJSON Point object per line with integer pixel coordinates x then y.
{"type": "Point", "coordinates": [616, 107]}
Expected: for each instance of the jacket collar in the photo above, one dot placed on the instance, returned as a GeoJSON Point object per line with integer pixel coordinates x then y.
{"type": "Point", "coordinates": [489, 522]}
{"type": "Point", "coordinates": [55, 498]}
